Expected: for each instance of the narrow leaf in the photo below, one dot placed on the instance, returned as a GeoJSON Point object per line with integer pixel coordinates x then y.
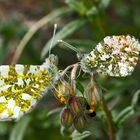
{"type": "Point", "coordinates": [80, 136]}
{"type": "Point", "coordinates": [124, 115]}
{"type": "Point", "coordinates": [65, 32]}
{"type": "Point", "coordinates": [20, 128]}
{"type": "Point", "coordinates": [64, 132]}
{"type": "Point", "coordinates": [54, 111]}
{"type": "Point", "coordinates": [135, 98]}
{"type": "Point", "coordinates": [77, 6]}
{"type": "Point", "coordinates": [104, 3]}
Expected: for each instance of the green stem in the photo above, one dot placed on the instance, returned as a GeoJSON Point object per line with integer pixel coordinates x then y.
{"type": "Point", "coordinates": [110, 121]}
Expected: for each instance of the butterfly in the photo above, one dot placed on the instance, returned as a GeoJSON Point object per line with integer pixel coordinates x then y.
{"type": "Point", "coordinates": [114, 56]}
{"type": "Point", "coordinates": [21, 86]}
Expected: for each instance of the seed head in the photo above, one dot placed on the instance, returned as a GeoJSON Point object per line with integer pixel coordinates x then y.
{"type": "Point", "coordinates": [76, 105]}
{"type": "Point", "coordinates": [79, 123]}
{"type": "Point", "coordinates": [66, 117]}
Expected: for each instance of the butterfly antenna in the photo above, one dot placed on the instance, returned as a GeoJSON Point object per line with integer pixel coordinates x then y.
{"type": "Point", "coordinates": [70, 46]}
{"type": "Point", "coordinates": [54, 32]}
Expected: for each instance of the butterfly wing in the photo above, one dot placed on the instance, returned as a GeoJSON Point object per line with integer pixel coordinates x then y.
{"type": "Point", "coordinates": [114, 56]}
{"type": "Point", "coordinates": [21, 86]}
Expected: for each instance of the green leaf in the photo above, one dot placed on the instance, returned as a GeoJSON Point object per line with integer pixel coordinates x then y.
{"type": "Point", "coordinates": [80, 87]}
{"type": "Point", "coordinates": [65, 32]}
{"type": "Point", "coordinates": [20, 128]}
{"type": "Point", "coordinates": [54, 111]}
{"type": "Point", "coordinates": [77, 6]}
{"type": "Point", "coordinates": [104, 3]}
{"type": "Point", "coordinates": [124, 115]}
{"type": "Point", "coordinates": [80, 136]}
{"type": "Point", "coordinates": [65, 132]}
{"type": "Point", "coordinates": [4, 128]}
{"type": "Point", "coordinates": [92, 11]}
{"type": "Point", "coordinates": [135, 98]}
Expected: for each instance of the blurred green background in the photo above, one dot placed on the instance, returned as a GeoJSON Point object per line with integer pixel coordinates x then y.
{"type": "Point", "coordinates": [82, 23]}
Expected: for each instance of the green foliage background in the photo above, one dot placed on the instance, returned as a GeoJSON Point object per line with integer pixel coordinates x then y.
{"type": "Point", "coordinates": [81, 23]}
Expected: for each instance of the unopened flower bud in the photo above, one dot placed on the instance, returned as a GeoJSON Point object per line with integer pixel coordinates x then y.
{"type": "Point", "coordinates": [94, 95]}
{"type": "Point", "coordinates": [79, 123]}
{"type": "Point", "coordinates": [61, 91]}
{"type": "Point", "coordinates": [76, 105]}
{"type": "Point", "coordinates": [66, 117]}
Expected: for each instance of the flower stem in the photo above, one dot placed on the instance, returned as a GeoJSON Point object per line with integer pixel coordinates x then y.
{"type": "Point", "coordinates": [66, 69]}
{"type": "Point", "coordinates": [110, 121]}
{"type": "Point", "coordinates": [73, 76]}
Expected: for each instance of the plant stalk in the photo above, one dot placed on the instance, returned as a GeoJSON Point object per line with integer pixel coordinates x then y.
{"type": "Point", "coordinates": [109, 120]}
{"type": "Point", "coordinates": [73, 76]}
